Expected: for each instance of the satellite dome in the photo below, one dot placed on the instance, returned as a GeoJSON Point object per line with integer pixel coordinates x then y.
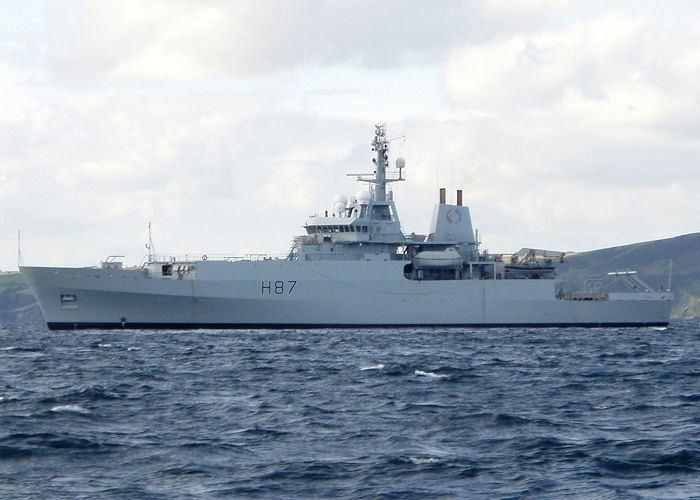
{"type": "Point", "coordinates": [339, 203]}
{"type": "Point", "coordinates": [340, 198]}
{"type": "Point", "coordinates": [362, 196]}
{"type": "Point", "coordinates": [400, 162]}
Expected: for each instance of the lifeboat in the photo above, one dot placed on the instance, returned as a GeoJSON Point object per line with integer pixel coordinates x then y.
{"type": "Point", "coordinates": [446, 258]}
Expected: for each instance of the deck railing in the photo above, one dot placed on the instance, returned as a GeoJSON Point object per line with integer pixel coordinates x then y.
{"type": "Point", "coordinates": [189, 258]}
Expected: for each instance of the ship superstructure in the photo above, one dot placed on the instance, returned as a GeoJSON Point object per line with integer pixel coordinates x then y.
{"type": "Point", "coordinates": [353, 267]}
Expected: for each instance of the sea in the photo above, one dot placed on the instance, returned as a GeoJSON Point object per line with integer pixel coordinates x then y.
{"type": "Point", "coordinates": [351, 413]}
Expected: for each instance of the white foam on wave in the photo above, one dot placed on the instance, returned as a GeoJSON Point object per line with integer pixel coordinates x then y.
{"type": "Point", "coordinates": [71, 408]}
{"type": "Point", "coordinates": [372, 367]}
{"type": "Point", "coordinates": [8, 348]}
{"type": "Point", "coordinates": [429, 374]}
{"type": "Point", "coordinates": [660, 328]}
{"type": "Point", "coordinates": [424, 460]}
{"type": "Point", "coordinates": [104, 345]}
{"type": "Point", "coordinates": [133, 348]}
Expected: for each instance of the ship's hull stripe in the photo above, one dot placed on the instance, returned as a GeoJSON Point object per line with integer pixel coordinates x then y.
{"type": "Point", "coordinates": [285, 326]}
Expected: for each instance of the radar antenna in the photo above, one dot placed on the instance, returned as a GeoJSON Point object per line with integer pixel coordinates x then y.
{"type": "Point", "coordinates": [380, 145]}
{"type": "Point", "coordinates": [149, 245]}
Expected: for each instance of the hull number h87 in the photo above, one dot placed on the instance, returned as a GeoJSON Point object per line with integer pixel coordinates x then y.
{"type": "Point", "coordinates": [277, 287]}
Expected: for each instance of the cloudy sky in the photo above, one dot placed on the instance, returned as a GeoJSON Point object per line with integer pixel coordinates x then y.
{"type": "Point", "coordinates": [569, 125]}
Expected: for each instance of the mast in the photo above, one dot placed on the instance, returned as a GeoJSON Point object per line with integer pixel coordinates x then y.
{"type": "Point", "coordinates": [380, 146]}
{"type": "Point", "coordinates": [19, 251]}
{"type": "Point", "coordinates": [149, 245]}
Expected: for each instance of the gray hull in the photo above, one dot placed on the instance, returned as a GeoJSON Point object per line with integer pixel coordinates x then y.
{"type": "Point", "coordinates": [284, 293]}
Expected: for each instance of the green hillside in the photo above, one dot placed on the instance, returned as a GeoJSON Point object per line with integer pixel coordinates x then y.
{"type": "Point", "coordinates": [651, 260]}
{"type": "Point", "coordinates": [17, 304]}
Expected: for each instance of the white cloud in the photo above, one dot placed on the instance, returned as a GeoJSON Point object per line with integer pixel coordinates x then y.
{"type": "Point", "coordinates": [228, 123]}
{"type": "Point", "coordinates": [600, 115]}
{"type": "Point", "coordinates": [124, 42]}
{"type": "Point", "coordinates": [536, 69]}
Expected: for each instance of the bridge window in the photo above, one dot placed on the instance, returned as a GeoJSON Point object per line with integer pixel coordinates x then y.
{"type": "Point", "coordinates": [381, 212]}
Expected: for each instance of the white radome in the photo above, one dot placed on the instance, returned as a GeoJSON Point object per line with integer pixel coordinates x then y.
{"type": "Point", "coordinates": [362, 196]}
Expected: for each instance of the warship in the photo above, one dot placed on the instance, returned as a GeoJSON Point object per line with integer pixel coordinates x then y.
{"type": "Point", "coordinates": [352, 268]}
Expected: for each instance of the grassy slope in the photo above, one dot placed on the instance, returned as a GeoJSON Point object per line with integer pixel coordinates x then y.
{"type": "Point", "coordinates": [8, 280]}
{"type": "Point", "coordinates": [651, 260]}
{"type": "Point", "coordinates": [17, 304]}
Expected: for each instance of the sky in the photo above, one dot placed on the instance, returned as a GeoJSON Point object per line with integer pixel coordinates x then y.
{"type": "Point", "coordinates": [569, 125]}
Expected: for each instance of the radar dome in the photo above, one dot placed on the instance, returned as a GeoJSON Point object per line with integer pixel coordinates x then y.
{"type": "Point", "coordinates": [362, 196]}
{"type": "Point", "coordinates": [339, 203]}
{"type": "Point", "coordinates": [400, 162]}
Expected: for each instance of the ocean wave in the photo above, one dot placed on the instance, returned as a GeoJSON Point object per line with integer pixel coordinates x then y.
{"type": "Point", "coordinates": [372, 367]}
{"type": "Point", "coordinates": [430, 374]}
{"type": "Point", "coordinates": [424, 460]}
{"type": "Point", "coordinates": [14, 452]}
{"type": "Point", "coordinates": [70, 408]}
{"type": "Point", "coordinates": [396, 370]}
{"type": "Point", "coordinates": [22, 349]}
{"type": "Point", "coordinates": [509, 420]}
{"type": "Point", "coordinates": [681, 461]}
{"type": "Point", "coordinates": [26, 444]}
{"type": "Point", "coordinates": [376, 413]}
{"type": "Point", "coordinates": [412, 464]}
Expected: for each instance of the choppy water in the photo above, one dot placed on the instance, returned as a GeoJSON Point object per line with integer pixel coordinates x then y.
{"type": "Point", "coordinates": [398, 413]}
